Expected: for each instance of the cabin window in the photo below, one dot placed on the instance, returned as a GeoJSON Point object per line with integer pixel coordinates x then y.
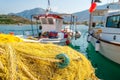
{"type": "Point", "coordinates": [113, 21]}
{"type": "Point", "coordinates": [47, 21]}
{"type": "Point", "coordinates": [50, 20]}
{"type": "Point", "coordinates": [43, 20]}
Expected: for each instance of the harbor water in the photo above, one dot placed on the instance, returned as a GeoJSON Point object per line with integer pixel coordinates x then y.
{"type": "Point", "coordinates": [104, 68]}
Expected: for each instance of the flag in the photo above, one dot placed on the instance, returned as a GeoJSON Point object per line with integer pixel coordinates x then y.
{"type": "Point", "coordinates": [92, 7]}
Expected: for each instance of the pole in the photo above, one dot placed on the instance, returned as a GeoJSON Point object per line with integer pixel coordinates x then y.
{"type": "Point", "coordinates": [32, 26]}
{"type": "Point", "coordinates": [48, 3]}
{"type": "Point", "coordinates": [48, 9]}
{"type": "Point", "coordinates": [37, 27]}
{"type": "Point", "coordinates": [90, 20]}
{"type": "Point", "coordinates": [74, 22]}
{"type": "Point", "coordinates": [71, 23]}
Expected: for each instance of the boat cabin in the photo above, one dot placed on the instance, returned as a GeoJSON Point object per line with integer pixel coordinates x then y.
{"type": "Point", "coordinates": [50, 22]}
{"type": "Point", "coordinates": [113, 20]}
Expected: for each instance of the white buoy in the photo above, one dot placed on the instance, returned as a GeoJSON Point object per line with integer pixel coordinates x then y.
{"type": "Point", "coordinates": [89, 38]}
{"type": "Point", "coordinates": [97, 46]}
{"type": "Point", "coordinates": [77, 34]}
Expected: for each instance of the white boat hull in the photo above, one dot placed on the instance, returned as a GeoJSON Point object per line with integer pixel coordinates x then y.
{"type": "Point", "coordinates": [54, 41]}
{"type": "Point", "coordinates": [109, 50]}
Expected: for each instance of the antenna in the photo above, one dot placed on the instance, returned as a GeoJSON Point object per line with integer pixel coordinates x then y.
{"type": "Point", "coordinates": [48, 3]}
{"type": "Point", "coordinates": [48, 8]}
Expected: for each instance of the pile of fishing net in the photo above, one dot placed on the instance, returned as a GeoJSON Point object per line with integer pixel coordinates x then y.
{"type": "Point", "coordinates": [37, 61]}
{"type": "Point", "coordinates": [6, 38]}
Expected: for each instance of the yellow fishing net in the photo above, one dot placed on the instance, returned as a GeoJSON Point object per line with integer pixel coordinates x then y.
{"type": "Point", "coordinates": [6, 38]}
{"type": "Point", "coordinates": [37, 61]}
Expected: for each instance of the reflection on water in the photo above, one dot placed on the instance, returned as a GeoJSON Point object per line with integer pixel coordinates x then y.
{"type": "Point", "coordinates": [82, 40]}
{"type": "Point", "coordinates": [19, 30]}
{"type": "Point", "coordinates": [105, 69]}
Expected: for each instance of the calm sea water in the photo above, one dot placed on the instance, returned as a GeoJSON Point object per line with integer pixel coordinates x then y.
{"type": "Point", "coordinates": [19, 30]}
{"type": "Point", "coordinates": [104, 68]}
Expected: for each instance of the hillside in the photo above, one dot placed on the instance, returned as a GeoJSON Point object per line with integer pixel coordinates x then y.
{"type": "Point", "coordinates": [13, 19]}
{"type": "Point", "coordinates": [86, 13]}
{"type": "Point", "coordinates": [28, 13]}
{"type": "Point", "coordinates": [82, 16]}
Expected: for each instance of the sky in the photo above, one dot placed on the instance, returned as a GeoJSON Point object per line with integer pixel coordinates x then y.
{"type": "Point", "coordinates": [61, 6]}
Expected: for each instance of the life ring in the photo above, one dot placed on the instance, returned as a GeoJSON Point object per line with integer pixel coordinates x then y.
{"type": "Point", "coordinates": [77, 34]}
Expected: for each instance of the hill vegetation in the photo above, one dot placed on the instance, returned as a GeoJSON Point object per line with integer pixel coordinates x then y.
{"type": "Point", "coordinates": [13, 19]}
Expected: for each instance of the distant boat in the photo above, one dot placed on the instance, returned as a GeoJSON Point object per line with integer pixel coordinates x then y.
{"type": "Point", "coordinates": [51, 28]}
{"type": "Point", "coordinates": [106, 39]}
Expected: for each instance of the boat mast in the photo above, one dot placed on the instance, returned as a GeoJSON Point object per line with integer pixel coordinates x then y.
{"type": "Point", "coordinates": [48, 8]}
{"type": "Point", "coordinates": [90, 19]}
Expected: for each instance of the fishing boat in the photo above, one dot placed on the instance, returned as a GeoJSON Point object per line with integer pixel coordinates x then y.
{"type": "Point", "coordinates": [106, 39]}
{"type": "Point", "coordinates": [51, 28]}
{"type": "Point", "coordinates": [52, 31]}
